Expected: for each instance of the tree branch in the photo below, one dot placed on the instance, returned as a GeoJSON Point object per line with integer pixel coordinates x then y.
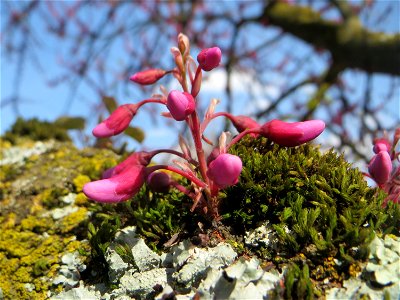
{"type": "Point", "coordinates": [351, 44]}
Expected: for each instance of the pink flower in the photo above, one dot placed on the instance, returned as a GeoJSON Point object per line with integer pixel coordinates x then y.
{"type": "Point", "coordinates": [117, 122]}
{"type": "Point", "coordinates": [117, 188]}
{"type": "Point", "coordinates": [292, 134]}
{"type": "Point", "coordinates": [148, 76]}
{"type": "Point", "coordinates": [159, 182]}
{"type": "Point", "coordinates": [381, 145]}
{"type": "Point", "coordinates": [209, 58]}
{"type": "Point", "coordinates": [180, 105]}
{"type": "Point", "coordinates": [380, 167]}
{"type": "Point", "coordinates": [225, 170]}
{"type": "Point", "coordinates": [137, 158]}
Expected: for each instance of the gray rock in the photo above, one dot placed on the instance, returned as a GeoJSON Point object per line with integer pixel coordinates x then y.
{"type": "Point", "coordinates": [144, 285]}
{"type": "Point", "coordinates": [69, 272]}
{"type": "Point", "coordinates": [193, 263]}
{"type": "Point", "coordinates": [264, 235]}
{"type": "Point", "coordinates": [79, 293]}
{"type": "Point", "coordinates": [143, 258]}
{"type": "Point", "coordinates": [241, 280]}
{"type": "Point", "coordinates": [381, 275]}
{"type": "Point", "coordinates": [17, 155]}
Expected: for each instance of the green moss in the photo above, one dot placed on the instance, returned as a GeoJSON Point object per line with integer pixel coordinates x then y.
{"type": "Point", "coordinates": [313, 200]}
{"type": "Point", "coordinates": [35, 130]}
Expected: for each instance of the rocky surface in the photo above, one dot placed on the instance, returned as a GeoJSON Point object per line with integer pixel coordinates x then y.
{"type": "Point", "coordinates": [44, 217]}
{"type": "Point", "coordinates": [218, 273]}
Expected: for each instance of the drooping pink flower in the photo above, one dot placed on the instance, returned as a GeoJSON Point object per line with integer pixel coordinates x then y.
{"type": "Point", "coordinates": [117, 122]}
{"type": "Point", "coordinates": [159, 182]}
{"type": "Point", "coordinates": [292, 134]}
{"type": "Point", "coordinates": [381, 145]}
{"type": "Point", "coordinates": [380, 167]}
{"type": "Point", "coordinates": [137, 158]}
{"type": "Point", "coordinates": [209, 58]}
{"type": "Point", "coordinates": [148, 76]}
{"type": "Point", "coordinates": [225, 170]}
{"type": "Point", "coordinates": [118, 188]}
{"type": "Point", "coordinates": [180, 105]}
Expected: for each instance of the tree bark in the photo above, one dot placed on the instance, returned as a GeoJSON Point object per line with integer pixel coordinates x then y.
{"type": "Point", "coordinates": [349, 42]}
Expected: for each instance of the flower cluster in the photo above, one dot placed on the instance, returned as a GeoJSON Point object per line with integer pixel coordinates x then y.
{"type": "Point", "coordinates": [382, 167]}
{"type": "Point", "coordinates": [207, 174]}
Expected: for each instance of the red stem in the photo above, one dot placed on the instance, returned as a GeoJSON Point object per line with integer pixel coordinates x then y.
{"type": "Point", "coordinates": [241, 135]}
{"type": "Point", "coordinates": [192, 178]}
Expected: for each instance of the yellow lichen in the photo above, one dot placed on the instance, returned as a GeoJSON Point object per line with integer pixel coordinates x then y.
{"type": "Point", "coordinates": [81, 199]}
{"type": "Point", "coordinates": [73, 220]}
{"type": "Point", "coordinates": [32, 243]}
{"type": "Point", "coordinates": [79, 181]}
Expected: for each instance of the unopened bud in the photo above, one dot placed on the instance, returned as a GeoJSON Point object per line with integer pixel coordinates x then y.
{"type": "Point", "coordinates": [148, 76]}
{"type": "Point", "coordinates": [380, 167]}
{"type": "Point", "coordinates": [209, 58]}
{"type": "Point", "coordinates": [242, 123]}
{"type": "Point", "coordinates": [183, 44]}
{"type": "Point", "coordinates": [180, 105]}
{"type": "Point", "coordinates": [292, 134]}
{"type": "Point", "coordinates": [159, 182]}
{"type": "Point", "coordinates": [225, 170]}
{"type": "Point", "coordinates": [117, 122]}
{"type": "Point", "coordinates": [381, 145]}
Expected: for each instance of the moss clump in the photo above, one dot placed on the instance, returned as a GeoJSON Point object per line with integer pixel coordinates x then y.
{"type": "Point", "coordinates": [36, 130]}
{"type": "Point", "coordinates": [316, 203]}
{"type": "Point", "coordinates": [157, 216]}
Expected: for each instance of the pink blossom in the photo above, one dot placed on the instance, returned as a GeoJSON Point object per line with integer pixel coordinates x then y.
{"type": "Point", "coordinates": [292, 134]}
{"type": "Point", "coordinates": [148, 76]}
{"type": "Point", "coordinates": [225, 170]}
{"type": "Point", "coordinates": [180, 105]}
{"type": "Point", "coordinates": [117, 188]}
{"type": "Point", "coordinates": [117, 122]}
{"type": "Point", "coordinates": [159, 182]}
{"type": "Point", "coordinates": [209, 58]}
{"type": "Point", "coordinates": [380, 167]}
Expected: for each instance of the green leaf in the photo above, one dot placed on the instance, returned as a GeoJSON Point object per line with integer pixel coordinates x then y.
{"type": "Point", "coordinates": [70, 122]}
{"type": "Point", "coordinates": [135, 133]}
{"type": "Point", "coordinates": [110, 103]}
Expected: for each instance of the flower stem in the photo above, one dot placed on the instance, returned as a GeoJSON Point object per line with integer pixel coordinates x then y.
{"type": "Point", "coordinates": [191, 177]}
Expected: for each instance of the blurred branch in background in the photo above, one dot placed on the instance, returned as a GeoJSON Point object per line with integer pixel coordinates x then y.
{"type": "Point", "coordinates": [338, 60]}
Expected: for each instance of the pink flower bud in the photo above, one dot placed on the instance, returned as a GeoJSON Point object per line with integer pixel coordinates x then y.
{"type": "Point", "coordinates": [381, 145]}
{"type": "Point", "coordinates": [209, 58]}
{"type": "Point", "coordinates": [225, 170]}
{"type": "Point", "coordinates": [159, 182]}
{"type": "Point", "coordinates": [292, 134]}
{"type": "Point", "coordinates": [117, 188]}
{"type": "Point", "coordinates": [180, 105]}
{"type": "Point", "coordinates": [148, 76]}
{"type": "Point", "coordinates": [380, 167]}
{"type": "Point", "coordinates": [242, 123]}
{"type": "Point", "coordinates": [117, 122]}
